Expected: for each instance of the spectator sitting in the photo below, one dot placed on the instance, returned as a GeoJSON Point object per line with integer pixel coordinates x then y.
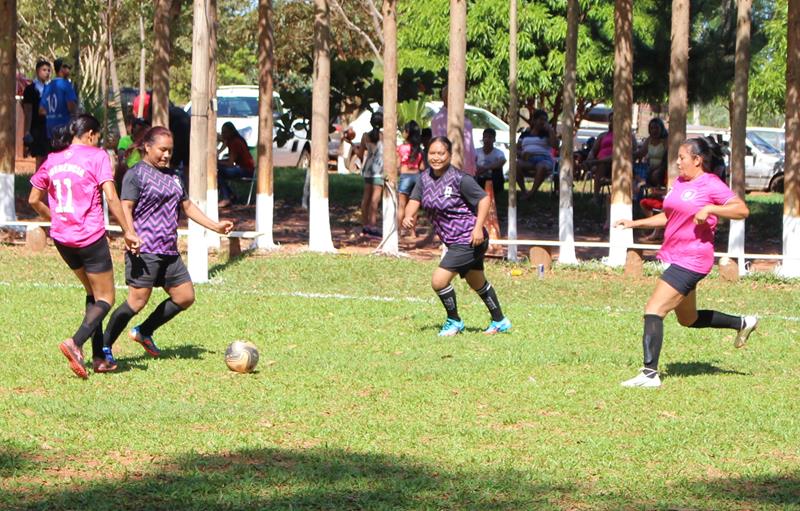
{"type": "Point", "coordinates": [535, 147]}
{"type": "Point", "coordinates": [599, 160]}
{"type": "Point", "coordinates": [654, 153]}
{"type": "Point", "coordinates": [490, 163]}
{"type": "Point", "coordinates": [238, 163]}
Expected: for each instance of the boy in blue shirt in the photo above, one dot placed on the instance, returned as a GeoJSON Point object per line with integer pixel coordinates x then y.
{"type": "Point", "coordinates": [59, 100]}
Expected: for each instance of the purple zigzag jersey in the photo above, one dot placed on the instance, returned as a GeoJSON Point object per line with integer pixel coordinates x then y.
{"type": "Point", "coordinates": [452, 218]}
{"type": "Point", "coordinates": [155, 216]}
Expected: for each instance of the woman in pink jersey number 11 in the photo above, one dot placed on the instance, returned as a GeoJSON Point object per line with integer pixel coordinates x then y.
{"type": "Point", "coordinates": [690, 214]}
{"type": "Point", "coordinates": [72, 179]}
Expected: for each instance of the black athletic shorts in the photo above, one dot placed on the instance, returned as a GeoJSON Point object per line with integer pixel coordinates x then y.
{"type": "Point", "coordinates": [463, 258]}
{"type": "Point", "coordinates": [155, 270]}
{"type": "Point", "coordinates": [94, 258]}
{"type": "Point", "coordinates": [680, 279]}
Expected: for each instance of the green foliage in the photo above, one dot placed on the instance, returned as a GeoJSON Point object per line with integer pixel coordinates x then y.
{"type": "Point", "coordinates": [768, 70]}
{"type": "Point", "coordinates": [413, 110]}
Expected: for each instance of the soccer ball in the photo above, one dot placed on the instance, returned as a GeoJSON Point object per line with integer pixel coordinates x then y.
{"type": "Point", "coordinates": [241, 356]}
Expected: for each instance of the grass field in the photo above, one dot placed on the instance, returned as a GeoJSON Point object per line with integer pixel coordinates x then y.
{"type": "Point", "coordinates": [357, 404]}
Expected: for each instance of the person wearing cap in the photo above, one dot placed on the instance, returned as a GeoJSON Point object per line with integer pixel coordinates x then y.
{"type": "Point", "coordinates": [59, 100]}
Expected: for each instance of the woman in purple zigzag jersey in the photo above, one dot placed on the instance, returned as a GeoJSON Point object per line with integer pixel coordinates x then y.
{"type": "Point", "coordinates": [152, 197]}
{"type": "Point", "coordinates": [458, 209]}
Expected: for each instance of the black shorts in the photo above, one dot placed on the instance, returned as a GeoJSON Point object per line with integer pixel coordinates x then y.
{"type": "Point", "coordinates": [680, 279]}
{"type": "Point", "coordinates": [155, 270]}
{"type": "Point", "coordinates": [94, 258]}
{"type": "Point", "coordinates": [463, 258]}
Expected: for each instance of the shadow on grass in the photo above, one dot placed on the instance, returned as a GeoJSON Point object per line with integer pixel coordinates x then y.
{"type": "Point", "coordinates": [683, 369]}
{"type": "Point", "coordinates": [317, 478]}
{"type": "Point", "coordinates": [186, 351]}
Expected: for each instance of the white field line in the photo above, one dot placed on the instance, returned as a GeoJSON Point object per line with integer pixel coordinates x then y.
{"type": "Point", "coordinates": [214, 287]}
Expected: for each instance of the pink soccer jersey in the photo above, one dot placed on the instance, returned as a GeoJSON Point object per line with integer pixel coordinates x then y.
{"type": "Point", "coordinates": [686, 244]}
{"type": "Point", "coordinates": [73, 178]}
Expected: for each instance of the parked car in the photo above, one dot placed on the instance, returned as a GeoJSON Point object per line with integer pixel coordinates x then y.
{"type": "Point", "coordinates": [480, 119]}
{"type": "Point", "coordinates": [776, 137]}
{"type": "Point", "coordinates": [238, 104]}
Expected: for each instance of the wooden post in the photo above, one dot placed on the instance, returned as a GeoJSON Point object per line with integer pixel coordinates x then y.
{"type": "Point", "coordinates": [791, 181]}
{"type": "Point", "coordinates": [112, 71]}
{"type": "Point", "coordinates": [212, 197]}
{"type": "Point", "coordinates": [622, 164]}
{"type": "Point", "coordinates": [319, 218]}
{"type": "Point", "coordinates": [389, 244]}
{"type": "Point", "coordinates": [8, 109]}
{"type": "Point", "coordinates": [198, 158]}
{"type": "Point", "coordinates": [456, 80]}
{"type": "Point", "coordinates": [265, 204]}
{"type": "Point", "coordinates": [142, 60]}
{"type": "Point", "coordinates": [739, 123]}
{"type": "Point", "coordinates": [566, 230]}
{"type": "Point", "coordinates": [678, 83]}
{"type": "Point", "coordinates": [513, 118]}
{"type": "Point", "coordinates": [159, 102]}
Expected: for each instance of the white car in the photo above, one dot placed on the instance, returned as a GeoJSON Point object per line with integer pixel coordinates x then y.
{"type": "Point", "coordinates": [480, 119]}
{"type": "Point", "coordinates": [238, 104]}
{"type": "Point", "coordinates": [776, 137]}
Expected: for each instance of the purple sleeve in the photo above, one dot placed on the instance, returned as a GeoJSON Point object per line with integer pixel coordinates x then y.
{"type": "Point", "coordinates": [718, 192]}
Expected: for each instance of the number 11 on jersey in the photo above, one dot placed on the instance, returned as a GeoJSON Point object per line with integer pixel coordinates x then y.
{"type": "Point", "coordinates": [64, 206]}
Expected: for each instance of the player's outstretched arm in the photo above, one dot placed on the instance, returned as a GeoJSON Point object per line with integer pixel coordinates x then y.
{"type": "Point", "coordinates": [653, 222]}
{"type": "Point", "coordinates": [194, 213]}
{"type": "Point", "coordinates": [36, 200]}
{"type": "Point", "coordinates": [132, 241]}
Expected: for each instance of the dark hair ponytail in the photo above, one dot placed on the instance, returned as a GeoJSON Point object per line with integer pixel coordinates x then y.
{"type": "Point", "coordinates": [700, 147]}
{"type": "Point", "coordinates": [150, 136]}
{"type": "Point", "coordinates": [79, 126]}
{"type": "Point", "coordinates": [61, 138]}
{"type": "Point", "coordinates": [414, 138]}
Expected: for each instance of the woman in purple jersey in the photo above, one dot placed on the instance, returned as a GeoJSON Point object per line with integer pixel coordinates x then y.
{"type": "Point", "coordinates": [458, 209]}
{"type": "Point", "coordinates": [152, 197]}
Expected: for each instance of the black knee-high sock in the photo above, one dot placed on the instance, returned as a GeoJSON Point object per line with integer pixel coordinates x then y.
{"type": "Point", "coordinates": [715, 319]}
{"type": "Point", "coordinates": [91, 320]}
{"type": "Point", "coordinates": [117, 323]}
{"type": "Point", "coordinates": [652, 339]}
{"type": "Point", "coordinates": [165, 311]}
{"type": "Point", "coordinates": [97, 335]}
{"type": "Point", "coordinates": [489, 297]}
{"type": "Point", "coordinates": [448, 298]}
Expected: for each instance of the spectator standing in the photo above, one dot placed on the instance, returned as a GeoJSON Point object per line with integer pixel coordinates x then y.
{"type": "Point", "coordinates": [370, 151]}
{"type": "Point", "coordinates": [439, 129]}
{"type": "Point", "coordinates": [35, 137]}
{"type": "Point", "coordinates": [59, 100]}
{"type": "Point", "coordinates": [409, 157]}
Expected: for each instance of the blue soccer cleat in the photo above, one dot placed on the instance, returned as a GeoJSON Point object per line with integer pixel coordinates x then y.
{"type": "Point", "coordinates": [451, 327]}
{"type": "Point", "coordinates": [498, 327]}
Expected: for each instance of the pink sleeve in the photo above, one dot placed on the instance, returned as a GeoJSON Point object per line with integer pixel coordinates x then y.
{"type": "Point", "coordinates": [103, 170]}
{"type": "Point", "coordinates": [41, 179]}
{"type": "Point", "coordinates": [719, 193]}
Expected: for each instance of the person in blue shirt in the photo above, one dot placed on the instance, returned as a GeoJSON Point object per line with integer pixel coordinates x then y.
{"type": "Point", "coordinates": [59, 100]}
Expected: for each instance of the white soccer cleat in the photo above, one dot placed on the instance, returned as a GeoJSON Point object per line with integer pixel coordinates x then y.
{"type": "Point", "coordinates": [750, 324]}
{"type": "Point", "coordinates": [647, 378]}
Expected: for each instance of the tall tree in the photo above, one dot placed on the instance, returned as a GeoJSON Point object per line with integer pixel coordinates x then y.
{"type": "Point", "coordinates": [319, 219]}
{"type": "Point", "coordinates": [566, 230]}
{"type": "Point", "coordinates": [112, 69]}
{"type": "Point", "coordinates": [791, 187]}
{"type": "Point", "coordinates": [264, 192]}
{"type": "Point", "coordinates": [513, 120]}
{"type": "Point", "coordinates": [739, 122]}
{"type": "Point", "coordinates": [161, 60]}
{"type": "Point", "coordinates": [212, 194]}
{"type": "Point", "coordinates": [389, 244]}
{"type": "Point", "coordinates": [678, 83]}
{"type": "Point", "coordinates": [8, 111]}
{"type": "Point", "coordinates": [198, 250]}
{"type": "Point", "coordinates": [142, 61]}
{"type": "Point", "coordinates": [622, 164]}
{"type": "Point", "coordinates": [457, 79]}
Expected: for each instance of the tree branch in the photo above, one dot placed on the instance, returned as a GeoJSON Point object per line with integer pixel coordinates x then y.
{"type": "Point", "coordinates": [352, 26]}
{"type": "Point", "coordinates": [377, 19]}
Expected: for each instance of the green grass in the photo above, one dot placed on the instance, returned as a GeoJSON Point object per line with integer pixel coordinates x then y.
{"type": "Point", "coordinates": [357, 404]}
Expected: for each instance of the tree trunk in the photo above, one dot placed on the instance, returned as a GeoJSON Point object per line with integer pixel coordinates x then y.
{"type": "Point", "coordinates": [678, 83]}
{"type": "Point", "coordinates": [198, 158]}
{"type": "Point", "coordinates": [456, 80]}
{"type": "Point", "coordinates": [566, 229]}
{"type": "Point", "coordinates": [513, 121]}
{"type": "Point", "coordinates": [212, 194]}
{"type": "Point", "coordinates": [389, 244]}
{"type": "Point", "coordinates": [112, 71]}
{"type": "Point", "coordinates": [622, 164]}
{"type": "Point", "coordinates": [142, 62]}
{"type": "Point", "coordinates": [319, 219]}
{"type": "Point", "coordinates": [739, 123]}
{"type": "Point", "coordinates": [8, 109]}
{"type": "Point", "coordinates": [791, 183]}
{"type": "Point", "coordinates": [265, 202]}
{"type": "Point", "coordinates": [162, 51]}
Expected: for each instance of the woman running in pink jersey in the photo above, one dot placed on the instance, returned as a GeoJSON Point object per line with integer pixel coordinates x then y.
{"type": "Point", "coordinates": [690, 214]}
{"type": "Point", "coordinates": [72, 179]}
